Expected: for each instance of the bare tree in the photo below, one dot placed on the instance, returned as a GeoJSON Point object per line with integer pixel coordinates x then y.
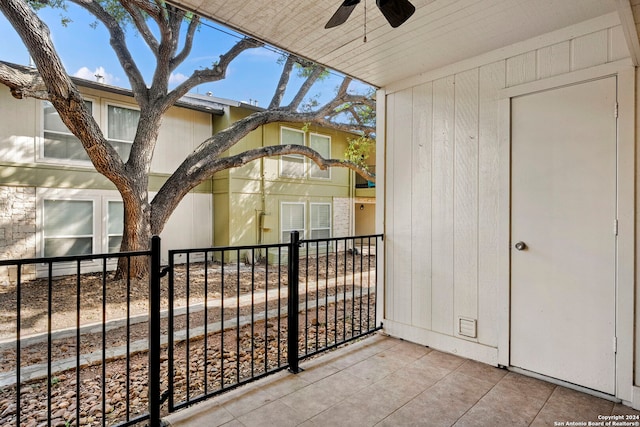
{"type": "Point", "coordinates": [143, 217]}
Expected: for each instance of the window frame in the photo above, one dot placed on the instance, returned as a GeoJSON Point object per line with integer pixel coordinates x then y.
{"type": "Point", "coordinates": [105, 122]}
{"type": "Point", "coordinates": [40, 202]}
{"type": "Point", "coordinates": [312, 164]}
{"type": "Point", "coordinates": [289, 230]}
{"type": "Point", "coordinates": [105, 226]}
{"type": "Point", "coordinates": [297, 157]}
{"type": "Point", "coordinates": [311, 217]}
{"type": "Point", "coordinates": [100, 200]}
{"type": "Point", "coordinates": [40, 140]}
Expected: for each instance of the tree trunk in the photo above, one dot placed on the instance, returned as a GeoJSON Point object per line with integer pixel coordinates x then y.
{"type": "Point", "coordinates": [137, 232]}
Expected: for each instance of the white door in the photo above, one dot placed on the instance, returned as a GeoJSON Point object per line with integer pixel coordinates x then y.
{"type": "Point", "coordinates": [564, 211]}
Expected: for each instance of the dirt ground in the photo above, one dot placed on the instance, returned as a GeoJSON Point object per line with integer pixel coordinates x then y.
{"type": "Point", "coordinates": [121, 298]}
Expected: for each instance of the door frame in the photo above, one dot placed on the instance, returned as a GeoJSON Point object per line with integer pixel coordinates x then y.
{"type": "Point", "coordinates": [625, 246]}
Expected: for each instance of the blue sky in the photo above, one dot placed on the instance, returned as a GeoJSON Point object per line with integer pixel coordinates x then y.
{"type": "Point", "coordinates": [85, 52]}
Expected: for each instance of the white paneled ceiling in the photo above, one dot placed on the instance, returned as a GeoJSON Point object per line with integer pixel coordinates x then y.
{"type": "Point", "coordinates": [441, 32]}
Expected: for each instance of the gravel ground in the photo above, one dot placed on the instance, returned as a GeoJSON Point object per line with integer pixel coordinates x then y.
{"type": "Point", "coordinates": [226, 357]}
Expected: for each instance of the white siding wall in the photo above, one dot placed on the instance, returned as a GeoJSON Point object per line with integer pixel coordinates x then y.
{"type": "Point", "coordinates": [21, 127]}
{"type": "Point", "coordinates": [442, 190]}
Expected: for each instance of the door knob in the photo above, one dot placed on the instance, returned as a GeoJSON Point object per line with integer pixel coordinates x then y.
{"type": "Point", "coordinates": [521, 246]}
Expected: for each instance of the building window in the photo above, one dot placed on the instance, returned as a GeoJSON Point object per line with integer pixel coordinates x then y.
{"type": "Point", "coordinates": [122, 124]}
{"type": "Point", "coordinates": [59, 142]}
{"type": "Point", "coordinates": [115, 225]}
{"type": "Point", "coordinates": [292, 218]}
{"type": "Point", "coordinates": [320, 220]}
{"type": "Point", "coordinates": [292, 165]}
{"type": "Point", "coordinates": [321, 144]}
{"type": "Point", "coordinates": [67, 227]}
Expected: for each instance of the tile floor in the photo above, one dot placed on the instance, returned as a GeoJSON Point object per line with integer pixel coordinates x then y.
{"type": "Point", "coordinates": [382, 381]}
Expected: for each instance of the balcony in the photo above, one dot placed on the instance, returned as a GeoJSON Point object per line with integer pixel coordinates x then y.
{"type": "Point", "coordinates": [365, 188]}
{"type": "Point", "coordinates": [217, 340]}
{"type": "Point", "coordinates": [364, 183]}
{"type": "Point", "coordinates": [383, 381]}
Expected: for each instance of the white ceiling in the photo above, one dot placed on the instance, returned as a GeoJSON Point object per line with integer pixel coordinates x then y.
{"type": "Point", "coordinates": [441, 32]}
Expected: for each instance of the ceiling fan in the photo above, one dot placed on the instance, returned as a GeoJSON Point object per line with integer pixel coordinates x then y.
{"type": "Point", "coordinates": [396, 12]}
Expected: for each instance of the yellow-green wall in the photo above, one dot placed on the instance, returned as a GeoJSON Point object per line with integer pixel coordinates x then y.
{"type": "Point", "coordinates": [257, 187]}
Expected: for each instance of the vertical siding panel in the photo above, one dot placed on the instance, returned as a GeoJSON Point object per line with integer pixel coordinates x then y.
{"type": "Point", "coordinates": [617, 44]}
{"type": "Point", "coordinates": [491, 81]}
{"type": "Point", "coordinates": [521, 68]}
{"type": "Point", "coordinates": [421, 206]}
{"type": "Point", "coordinates": [465, 241]}
{"type": "Point", "coordinates": [402, 138]}
{"type": "Point", "coordinates": [389, 203]}
{"type": "Point", "coordinates": [554, 60]}
{"type": "Point", "coordinates": [442, 206]}
{"type": "Point", "coordinates": [589, 50]}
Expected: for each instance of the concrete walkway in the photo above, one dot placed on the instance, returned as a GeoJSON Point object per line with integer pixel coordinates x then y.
{"type": "Point", "coordinates": [383, 381]}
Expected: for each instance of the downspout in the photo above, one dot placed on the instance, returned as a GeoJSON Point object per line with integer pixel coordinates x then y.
{"type": "Point", "coordinates": [352, 201]}
{"type": "Point", "coordinates": [263, 203]}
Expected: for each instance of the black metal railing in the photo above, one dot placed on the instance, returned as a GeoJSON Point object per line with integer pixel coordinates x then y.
{"type": "Point", "coordinates": [261, 309]}
{"type": "Point", "coordinates": [93, 348]}
{"type": "Point", "coordinates": [69, 357]}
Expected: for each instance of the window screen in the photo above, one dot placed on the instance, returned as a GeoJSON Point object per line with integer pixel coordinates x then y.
{"type": "Point", "coordinates": [68, 227]}
{"type": "Point", "coordinates": [59, 142]}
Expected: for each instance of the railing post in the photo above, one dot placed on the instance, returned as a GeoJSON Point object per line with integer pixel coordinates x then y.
{"type": "Point", "coordinates": [154, 334]}
{"type": "Point", "coordinates": [292, 302]}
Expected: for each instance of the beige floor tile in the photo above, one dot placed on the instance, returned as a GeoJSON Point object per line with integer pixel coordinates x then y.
{"type": "Point", "coordinates": [410, 349]}
{"type": "Point", "coordinates": [440, 360]}
{"type": "Point", "coordinates": [248, 401]}
{"type": "Point", "coordinates": [503, 407]}
{"type": "Point", "coordinates": [482, 371]}
{"type": "Point", "coordinates": [206, 413]}
{"type": "Point", "coordinates": [273, 414]}
{"type": "Point", "coordinates": [232, 423]}
{"type": "Point", "coordinates": [396, 359]}
{"type": "Point", "coordinates": [619, 409]}
{"type": "Point", "coordinates": [524, 405]}
{"type": "Point", "coordinates": [364, 408]}
{"type": "Point", "coordinates": [532, 387]}
{"type": "Point", "coordinates": [460, 387]}
{"type": "Point", "coordinates": [412, 381]}
{"type": "Point", "coordinates": [316, 373]}
{"type": "Point", "coordinates": [565, 404]}
{"type": "Point", "coordinates": [483, 416]}
{"type": "Point", "coordinates": [427, 410]}
{"type": "Point", "coordinates": [320, 395]}
{"type": "Point", "coordinates": [372, 369]}
{"type": "Point", "coordinates": [285, 385]}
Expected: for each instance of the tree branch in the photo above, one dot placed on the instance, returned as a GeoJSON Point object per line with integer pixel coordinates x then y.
{"type": "Point", "coordinates": [217, 72]}
{"type": "Point", "coordinates": [141, 24]}
{"type": "Point", "coordinates": [285, 149]}
{"type": "Point", "coordinates": [281, 88]}
{"type": "Point", "coordinates": [306, 86]}
{"type": "Point", "coordinates": [188, 42]}
{"type": "Point", "coordinates": [119, 45]}
{"type": "Point", "coordinates": [23, 82]}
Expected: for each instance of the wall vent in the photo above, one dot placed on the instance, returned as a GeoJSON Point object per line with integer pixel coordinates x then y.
{"type": "Point", "coordinates": [467, 327]}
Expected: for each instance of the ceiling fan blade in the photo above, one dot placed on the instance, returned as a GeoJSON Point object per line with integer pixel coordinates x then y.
{"type": "Point", "coordinates": [396, 11]}
{"type": "Point", "coordinates": [342, 14]}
